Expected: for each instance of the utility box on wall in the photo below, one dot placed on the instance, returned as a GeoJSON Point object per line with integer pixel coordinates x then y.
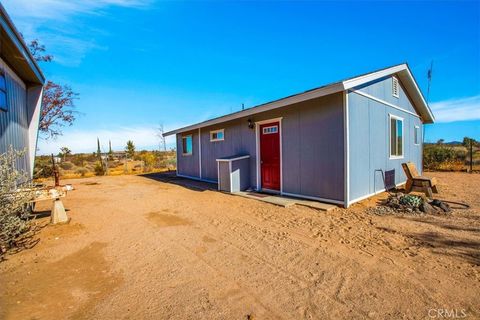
{"type": "Point", "coordinates": [234, 173]}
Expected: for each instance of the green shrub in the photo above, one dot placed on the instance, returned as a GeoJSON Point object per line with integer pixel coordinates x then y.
{"type": "Point", "coordinates": [66, 165]}
{"type": "Point", "coordinates": [99, 170]}
{"type": "Point", "coordinates": [81, 171]}
{"type": "Point", "coordinates": [435, 155]}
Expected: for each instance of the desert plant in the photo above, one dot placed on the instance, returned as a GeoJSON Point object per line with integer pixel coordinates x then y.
{"type": "Point", "coordinates": [66, 165]}
{"type": "Point", "coordinates": [81, 171]}
{"type": "Point", "coordinates": [16, 192]}
{"type": "Point", "coordinates": [130, 149]}
{"type": "Point", "coordinates": [99, 169]}
{"type": "Point", "coordinates": [435, 155]}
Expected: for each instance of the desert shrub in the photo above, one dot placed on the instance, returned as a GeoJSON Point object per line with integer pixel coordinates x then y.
{"type": "Point", "coordinates": [66, 165]}
{"type": "Point", "coordinates": [81, 171]}
{"type": "Point", "coordinates": [16, 192]}
{"type": "Point", "coordinates": [99, 170]}
{"type": "Point", "coordinates": [436, 155]}
{"type": "Point", "coordinates": [43, 167]}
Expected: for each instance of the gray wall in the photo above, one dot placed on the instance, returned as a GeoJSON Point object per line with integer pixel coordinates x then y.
{"type": "Point", "coordinates": [312, 143]}
{"type": "Point", "coordinates": [188, 164]}
{"type": "Point", "coordinates": [14, 122]}
{"type": "Point", "coordinates": [369, 137]}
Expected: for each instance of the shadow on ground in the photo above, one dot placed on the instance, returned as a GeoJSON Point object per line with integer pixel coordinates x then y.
{"type": "Point", "coordinates": [441, 244]}
{"type": "Point", "coordinates": [171, 177]}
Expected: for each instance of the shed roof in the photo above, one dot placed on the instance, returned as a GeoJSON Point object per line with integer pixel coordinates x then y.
{"type": "Point", "coordinates": [402, 71]}
{"type": "Point", "coordinates": [15, 52]}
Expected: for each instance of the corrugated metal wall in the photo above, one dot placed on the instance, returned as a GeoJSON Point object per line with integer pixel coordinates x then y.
{"type": "Point", "coordinates": [14, 122]}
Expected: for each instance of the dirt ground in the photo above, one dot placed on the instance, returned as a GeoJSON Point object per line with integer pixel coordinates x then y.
{"type": "Point", "coordinates": [137, 248]}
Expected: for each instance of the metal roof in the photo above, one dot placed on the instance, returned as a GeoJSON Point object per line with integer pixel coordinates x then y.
{"type": "Point", "coordinates": [16, 53]}
{"type": "Point", "coordinates": [402, 71]}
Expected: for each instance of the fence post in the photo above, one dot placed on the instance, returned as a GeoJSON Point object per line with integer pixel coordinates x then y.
{"type": "Point", "coordinates": [471, 155]}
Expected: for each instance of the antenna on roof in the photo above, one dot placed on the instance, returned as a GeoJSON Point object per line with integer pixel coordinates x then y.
{"type": "Point", "coordinates": [429, 77]}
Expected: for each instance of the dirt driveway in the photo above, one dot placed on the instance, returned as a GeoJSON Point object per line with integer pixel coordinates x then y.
{"type": "Point", "coordinates": [142, 249]}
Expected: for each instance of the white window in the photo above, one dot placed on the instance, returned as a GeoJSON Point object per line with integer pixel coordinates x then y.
{"type": "Point", "coordinates": [395, 87]}
{"type": "Point", "coordinates": [416, 135]}
{"type": "Point", "coordinates": [187, 145]}
{"type": "Point", "coordinates": [396, 137]}
{"type": "Point", "coordinates": [3, 92]}
{"type": "Point", "coordinates": [270, 130]}
{"type": "Point", "coordinates": [217, 135]}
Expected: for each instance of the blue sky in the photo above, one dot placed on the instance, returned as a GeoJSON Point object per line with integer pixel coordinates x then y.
{"type": "Point", "coordinates": [139, 63]}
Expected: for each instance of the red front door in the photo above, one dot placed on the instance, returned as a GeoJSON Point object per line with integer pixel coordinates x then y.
{"type": "Point", "coordinates": [270, 155]}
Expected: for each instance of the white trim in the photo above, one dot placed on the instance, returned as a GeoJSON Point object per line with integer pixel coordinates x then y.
{"type": "Point", "coordinates": [230, 170]}
{"type": "Point", "coordinates": [195, 178]}
{"type": "Point", "coordinates": [279, 119]}
{"type": "Point", "coordinates": [395, 81]}
{"type": "Point", "coordinates": [358, 81]}
{"type": "Point", "coordinates": [384, 102]}
{"type": "Point", "coordinates": [395, 157]}
{"type": "Point", "coordinates": [372, 194]}
{"type": "Point", "coordinates": [217, 131]}
{"type": "Point", "coordinates": [257, 148]}
{"type": "Point", "coordinates": [415, 127]}
{"type": "Point", "coordinates": [185, 137]}
{"type": "Point", "coordinates": [199, 152]}
{"type": "Point", "coordinates": [218, 175]}
{"type": "Point", "coordinates": [401, 71]}
{"type": "Point", "coordinates": [346, 142]}
{"type": "Point", "coordinates": [312, 198]}
{"type": "Point", "coordinates": [233, 159]}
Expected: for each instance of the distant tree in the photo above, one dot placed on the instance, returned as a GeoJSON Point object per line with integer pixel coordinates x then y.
{"type": "Point", "coordinates": [65, 152]}
{"type": "Point", "coordinates": [440, 141]}
{"type": "Point", "coordinates": [58, 107]}
{"type": "Point", "coordinates": [130, 149]}
{"type": "Point", "coordinates": [467, 140]}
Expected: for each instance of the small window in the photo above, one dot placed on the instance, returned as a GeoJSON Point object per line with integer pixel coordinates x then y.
{"type": "Point", "coordinates": [395, 87]}
{"type": "Point", "coordinates": [3, 92]}
{"type": "Point", "coordinates": [187, 145]}
{"type": "Point", "coordinates": [217, 135]}
{"type": "Point", "coordinates": [396, 137]}
{"type": "Point", "coordinates": [270, 130]}
{"type": "Point", "coordinates": [416, 135]}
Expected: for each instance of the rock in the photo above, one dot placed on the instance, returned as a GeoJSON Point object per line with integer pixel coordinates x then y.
{"type": "Point", "coordinates": [442, 205]}
{"type": "Point", "coordinates": [427, 208]}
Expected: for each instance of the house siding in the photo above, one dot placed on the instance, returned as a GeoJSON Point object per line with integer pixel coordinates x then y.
{"type": "Point", "coordinates": [14, 123]}
{"type": "Point", "coordinates": [369, 155]}
{"type": "Point", "coordinates": [312, 144]}
{"type": "Point", "coordinates": [188, 165]}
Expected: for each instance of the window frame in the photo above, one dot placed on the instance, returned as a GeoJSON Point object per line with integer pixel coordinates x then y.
{"type": "Point", "coordinates": [183, 151]}
{"type": "Point", "coordinates": [397, 118]}
{"type": "Point", "coordinates": [397, 94]}
{"type": "Point", "coordinates": [212, 132]}
{"type": "Point", "coordinates": [416, 135]}
{"type": "Point", "coordinates": [4, 91]}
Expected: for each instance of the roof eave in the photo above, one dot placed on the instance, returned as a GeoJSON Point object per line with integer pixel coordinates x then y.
{"type": "Point", "coordinates": [7, 23]}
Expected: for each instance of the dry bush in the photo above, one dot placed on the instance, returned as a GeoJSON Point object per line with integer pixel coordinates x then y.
{"type": "Point", "coordinates": [16, 192]}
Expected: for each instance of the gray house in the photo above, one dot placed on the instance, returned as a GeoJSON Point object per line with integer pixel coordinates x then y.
{"type": "Point", "coordinates": [21, 83]}
{"type": "Point", "coordinates": [338, 143]}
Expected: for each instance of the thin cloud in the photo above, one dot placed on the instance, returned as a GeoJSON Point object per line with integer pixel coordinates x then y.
{"type": "Point", "coordinates": [56, 24]}
{"type": "Point", "coordinates": [461, 109]}
{"type": "Point", "coordinates": [85, 141]}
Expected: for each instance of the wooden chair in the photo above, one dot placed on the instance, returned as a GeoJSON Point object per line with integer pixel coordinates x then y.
{"type": "Point", "coordinates": [415, 182]}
